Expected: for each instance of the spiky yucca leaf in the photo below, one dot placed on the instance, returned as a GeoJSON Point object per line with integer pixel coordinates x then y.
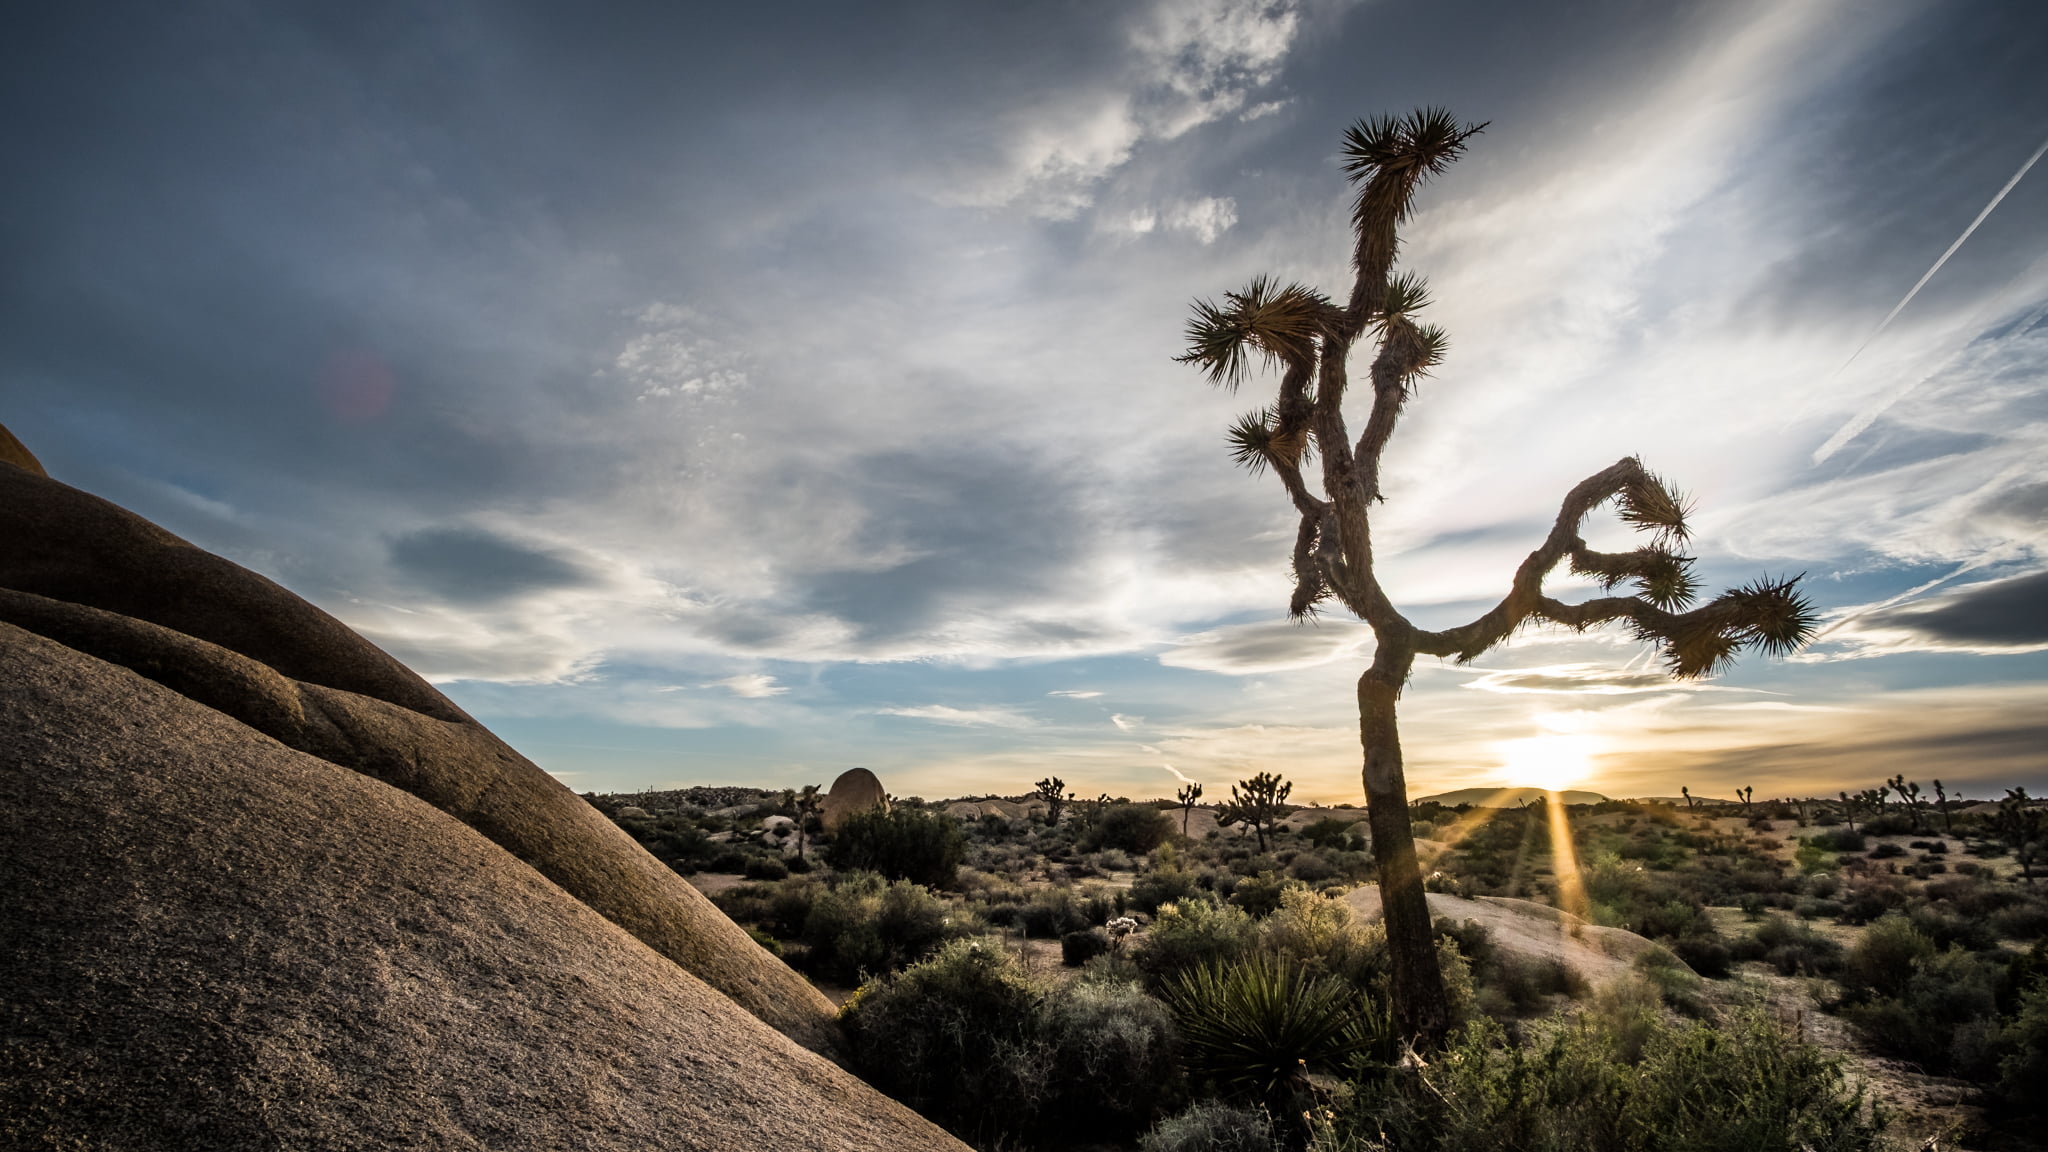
{"type": "Point", "coordinates": [1279, 322]}
{"type": "Point", "coordinates": [1775, 616]}
{"type": "Point", "coordinates": [1662, 577]}
{"type": "Point", "coordinates": [1252, 440]}
{"type": "Point", "coordinates": [1256, 1024]}
{"type": "Point", "coordinates": [1650, 504]}
{"type": "Point", "coordinates": [1407, 294]}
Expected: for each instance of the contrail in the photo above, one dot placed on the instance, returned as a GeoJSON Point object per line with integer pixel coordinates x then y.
{"type": "Point", "coordinates": [1177, 774]}
{"type": "Point", "coordinates": [1863, 420]}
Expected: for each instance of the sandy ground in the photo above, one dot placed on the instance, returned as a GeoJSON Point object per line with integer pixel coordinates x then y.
{"type": "Point", "coordinates": [1594, 953]}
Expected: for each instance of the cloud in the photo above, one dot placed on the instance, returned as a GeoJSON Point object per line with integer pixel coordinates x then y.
{"type": "Point", "coordinates": [1205, 219]}
{"type": "Point", "coordinates": [1579, 678]}
{"type": "Point", "coordinates": [1267, 646]}
{"type": "Point", "coordinates": [1178, 774]}
{"type": "Point", "coordinates": [1990, 617]}
{"type": "Point", "coordinates": [1125, 723]}
{"type": "Point", "coordinates": [994, 717]}
{"type": "Point", "coordinates": [751, 686]}
{"type": "Point", "coordinates": [475, 565]}
{"type": "Point", "coordinates": [1185, 63]}
{"type": "Point", "coordinates": [1074, 693]}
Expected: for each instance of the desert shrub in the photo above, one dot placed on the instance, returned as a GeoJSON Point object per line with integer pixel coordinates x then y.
{"type": "Point", "coordinates": [1212, 1126]}
{"type": "Point", "coordinates": [863, 925]}
{"type": "Point", "coordinates": [1190, 934]}
{"type": "Point", "coordinates": [2024, 1066]}
{"type": "Point", "coordinates": [1113, 1059]}
{"type": "Point", "coordinates": [1335, 835]}
{"type": "Point", "coordinates": [955, 1037]}
{"type": "Point", "coordinates": [1791, 947]}
{"type": "Point", "coordinates": [1838, 840]}
{"type": "Point", "coordinates": [1077, 948]}
{"type": "Point", "coordinates": [1162, 886]}
{"type": "Point", "coordinates": [1937, 1018]}
{"type": "Point", "coordinates": [2021, 922]}
{"type": "Point", "coordinates": [1889, 824]}
{"type": "Point", "coordinates": [1881, 964]}
{"type": "Point", "coordinates": [1051, 913]}
{"type": "Point", "coordinates": [1319, 933]}
{"type": "Point", "coordinates": [1706, 955]}
{"type": "Point", "coordinates": [1311, 868]}
{"type": "Point", "coordinates": [1253, 1026]}
{"type": "Point", "coordinates": [766, 868]}
{"type": "Point", "coordinates": [1619, 1079]}
{"type": "Point", "coordinates": [1260, 895]}
{"type": "Point", "coordinates": [902, 844]}
{"type": "Point", "coordinates": [1128, 828]}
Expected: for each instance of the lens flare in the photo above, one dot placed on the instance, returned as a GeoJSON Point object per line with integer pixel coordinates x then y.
{"type": "Point", "coordinates": [1552, 762]}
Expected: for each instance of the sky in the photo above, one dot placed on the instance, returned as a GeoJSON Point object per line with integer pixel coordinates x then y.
{"type": "Point", "coordinates": [738, 394]}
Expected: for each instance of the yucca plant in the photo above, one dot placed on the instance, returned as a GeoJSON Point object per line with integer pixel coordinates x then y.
{"type": "Point", "coordinates": [1309, 338]}
{"type": "Point", "coordinates": [1257, 1025]}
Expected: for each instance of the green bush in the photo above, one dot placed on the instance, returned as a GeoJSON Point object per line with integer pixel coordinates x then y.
{"type": "Point", "coordinates": [970, 1040]}
{"type": "Point", "coordinates": [1838, 840]}
{"type": "Point", "coordinates": [2024, 1067]}
{"type": "Point", "coordinates": [863, 925]}
{"type": "Point", "coordinates": [1255, 1026]}
{"type": "Point", "coordinates": [955, 1037]}
{"type": "Point", "coordinates": [901, 844]}
{"type": "Point", "coordinates": [1211, 1126]}
{"type": "Point", "coordinates": [1127, 828]}
{"type": "Point", "coordinates": [1617, 1079]}
{"type": "Point", "coordinates": [1260, 894]}
{"type": "Point", "coordinates": [1940, 1016]}
{"type": "Point", "coordinates": [1162, 886]}
{"type": "Point", "coordinates": [766, 868]}
{"type": "Point", "coordinates": [1881, 964]}
{"type": "Point", "coordinates": [1077, 948]}
{"type": "Point", "coordinates": [1114, 1059]}
{"type": "Point", "coordinates": [1190, 934]}
{"type": "Point", "coordinates": [1319, 933]}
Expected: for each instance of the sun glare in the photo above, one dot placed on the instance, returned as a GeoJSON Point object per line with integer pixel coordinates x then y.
{"type": "Point", "coordinates": [1552, 762]}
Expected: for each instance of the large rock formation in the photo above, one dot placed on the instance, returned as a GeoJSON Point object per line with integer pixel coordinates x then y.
{"type": "Point", "coordinates": [856, 790]}
{"type": "Point", "coordinates": [262, 887]}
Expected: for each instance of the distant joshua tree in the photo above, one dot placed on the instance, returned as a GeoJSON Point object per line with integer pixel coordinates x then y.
{"type": "Point", "coordinates": [1948, 826]}
{"type": "Point", "coordinates": [2019, 824]}
{"type": "Point", "coordinates": [1188, 794]}
{"type": "Point", "coordinates": [1309, 338]}
{"type": "Point", "coordinates": [1053, 791]}
{"type": "Point", "coordinates": [1687, 793]}
{"type": "Point", "coordinates": [1260, 802]}
{"type": "Point", "coordinates": [1909, 793]}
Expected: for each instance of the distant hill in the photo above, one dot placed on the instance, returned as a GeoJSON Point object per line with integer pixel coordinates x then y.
{"type": "Point", "coordinates": [1504, 797]}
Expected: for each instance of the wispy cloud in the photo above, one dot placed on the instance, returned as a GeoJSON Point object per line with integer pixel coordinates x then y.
{"type": "Point", "coordinates": [946, 714]}
{"type": "Point", "coordinates": [751, 686]}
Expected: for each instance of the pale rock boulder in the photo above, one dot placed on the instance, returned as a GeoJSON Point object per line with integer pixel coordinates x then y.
{"type": "Point", "coordinates": [856, 790]}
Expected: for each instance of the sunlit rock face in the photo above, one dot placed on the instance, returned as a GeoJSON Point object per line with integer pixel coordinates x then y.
{"type": "Point", "coordinates": [263, 887]}
{"type": "Point", "coordinates": [857, 790]}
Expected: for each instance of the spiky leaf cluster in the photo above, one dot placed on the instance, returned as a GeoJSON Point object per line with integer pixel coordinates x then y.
{"type": "Point", "coordinates": [1279, 323]}
{"type": "Point", "coordinates": [1769, 616]}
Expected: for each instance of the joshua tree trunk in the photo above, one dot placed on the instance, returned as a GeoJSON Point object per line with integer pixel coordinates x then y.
{"type": "Point", "coordinates": [1309, 338]}
{"type": "Point", "coordinates": [1417, 982]}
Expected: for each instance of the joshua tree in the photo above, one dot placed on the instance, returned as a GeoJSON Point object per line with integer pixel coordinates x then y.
{"type": "Point", "coordinates": [1309, 337]}
{"type": "Point", "coordinates": [2019, 825]}
{"type": "Point", "coordinates": [1948, 825]}
{"type": "Point", "coordinates": [1188, 794]}
{"type": "Point", "coordinates": [1849, 809]}
{"type": "Point", "coordinates": [1743, 794]}
{"type": "Point", "coordinates": [1687, 793]}
{"type": "Point", "coordinates": [806, 803]}
{"type": "Point", "coordinates": [1053, 791]}
{"type": "Point", "coordinates": [1260, 802]}
{"type": "Point", "coordinates": [1909, 793]}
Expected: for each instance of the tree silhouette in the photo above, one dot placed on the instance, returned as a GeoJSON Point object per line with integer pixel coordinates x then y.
{"type": "Point", "coordinates": [1260, 802]}
{"type": "Point", "coordinates": [1053, 791]}
{"type": "Point", "coordinates": [1309, 338]}
{"type": "Point", "coordinates": [1188, 794]}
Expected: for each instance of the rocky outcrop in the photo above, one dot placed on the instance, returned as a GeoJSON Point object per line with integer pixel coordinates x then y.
{"type": "Point", "coordinates": [212, 940]}
{"type": "Point", "coordinates": [104, 582]}
{"type": "Point", "coordinates": [262, 887]}
{"type": "Point", "coordinates": [856, 790]}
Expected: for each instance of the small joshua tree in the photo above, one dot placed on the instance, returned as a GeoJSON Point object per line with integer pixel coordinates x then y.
{"type": "Point", "coordinates": [1188, 794]}
{"type": "Point", "coordinates": [1053, 791]}
{"type": "Point", "coordinates": [1909, 794]}
{"type": "Point", "coordinates": [2019, 824]}
{"type": "Point", "coordinates": [1948, 825]}
{"type": "Point", "coordinates": [1687, 793]}
{"type": "Point", "coordinates": [1260, 802]}
{"type": "Point", "coordinates": [1309, 337]}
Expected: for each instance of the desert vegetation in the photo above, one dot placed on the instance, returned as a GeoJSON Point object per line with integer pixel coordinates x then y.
{"type": "Point", "coordinates": [1109, 981]}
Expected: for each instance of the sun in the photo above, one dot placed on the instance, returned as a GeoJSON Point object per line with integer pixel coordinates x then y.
{"type": "Point", "coordinates": [1552, 762]}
